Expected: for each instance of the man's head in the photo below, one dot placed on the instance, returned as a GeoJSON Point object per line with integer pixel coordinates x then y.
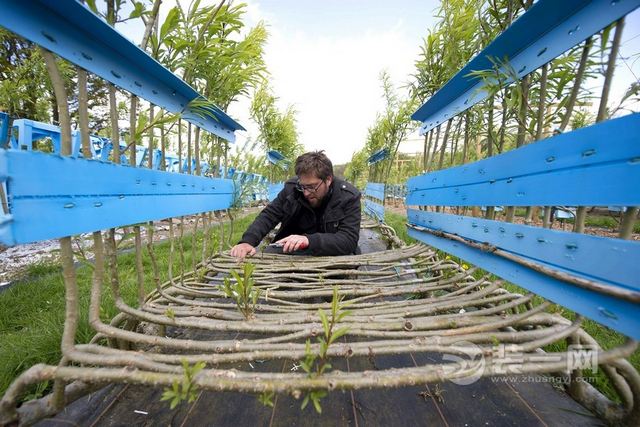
{"type": "Point", "coordinates": [315, 175]}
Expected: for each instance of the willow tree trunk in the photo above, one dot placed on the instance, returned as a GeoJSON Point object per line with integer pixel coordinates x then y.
{"type": "Point", "coordinates": [427, 146]}
{"type": "Point", "coordinates": [581, 213]}
{"type": "Point", "coordinates": [66, 250]}
{"type": "Point", "coordinates": [542, 100]}
{"type": "Point", "coordinates": [83, 113]}
{"type": "Point", "coordinates": [133, 115]}
{"type": "Point", "coordinates": [490, 140]}
{"type": "Point", "coordinates": [575, 90]}
{"type": "Point", "coordinates": [443, 147]}
{"type": "Point", "coordinates": [197, 150]}
{"type": "Point", "coordinates": [115, 132]}
{"type": "Point", "coordinates": [179, 145]}
{"type": "Point", "coordinates": [163, 149]}
{"type": "Point", "coordinates": [189, 149]}
{"type": "Point", "coordinates": [465, 147]}
{"type": "Point", "coordinates": [435, 148]}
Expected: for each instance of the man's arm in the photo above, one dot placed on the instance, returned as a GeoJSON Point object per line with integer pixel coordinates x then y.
{"type": "Point", "coordinates": [345, 240]}
{"type": "Point", "coordinates": [265, 221]}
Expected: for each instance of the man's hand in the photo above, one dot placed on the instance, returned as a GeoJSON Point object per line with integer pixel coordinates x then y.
{"type": "Point", "coordinates": [242, 250]}
{"type": "Point", "coordinates": [294, 242]}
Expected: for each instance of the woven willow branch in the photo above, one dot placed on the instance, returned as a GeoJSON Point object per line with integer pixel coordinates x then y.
{"type": "Point", "coordinates": [405, 300]}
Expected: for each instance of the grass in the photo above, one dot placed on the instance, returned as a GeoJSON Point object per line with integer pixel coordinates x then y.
{"type": "Point", "coordinates": [610, 222]}
{"type": "Point", "coordinates": [32, 310]}
{"type": "Point", "coordinates": [398, 223]}
{"type": "Point", "coordinates": [605, 336]}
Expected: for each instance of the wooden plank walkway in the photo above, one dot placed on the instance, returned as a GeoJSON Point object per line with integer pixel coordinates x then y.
{"type": "Point", "coordinates": [484, 403]}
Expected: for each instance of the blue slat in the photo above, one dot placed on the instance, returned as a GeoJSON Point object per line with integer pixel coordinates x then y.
{"type": "Point", "coordinates": [617, 314]}
{"type": "Point", "coordinates": [70, 30]}
{"type": "Point", "coordinates": [378, 156]}
{"type": "Point", "coordinates": [375, 190]}
{"type": "Point", "coordinates": [546, 30]}
{"type": "Point", "coordinates": [588, 167]}
{"type": "Point", "coordinates": [374, 210]}
{"type": "Point", "coordinates": [4, 129]}
{"type": "Point", "coordinates": [606, 260]}
{"type": "Point", "coordinates": [274, 189]}
{"type": "Point", "coordinates": [52, 196]}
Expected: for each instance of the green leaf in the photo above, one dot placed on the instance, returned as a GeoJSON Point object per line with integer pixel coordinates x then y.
{"type": "Point", "coordinates": [236, 276]}
{"type": "Point", "coordinates": [174, 402]}
{"type": "Point", "coordinates": [170, 23]}
{"type": "Point", "coordinates": [325, 321]}
{"type": "Point", "coordinates": [167, 394]}
{"type": "Point", "coordinates": [343, 314]}
{"type": "Point", "coordinates": [199, 366]}
{"type": "Point", "coordinates": [316, 395]}
{"type": "Point", "coordinates": [266, 398]}
{"type": "Point", "coordinates": [334, 300]}
{"type": "Point", "coordinates": [605, 38]}
{"type": "Point", "coordinates": [92, 6]}
{"type": "Point", "coordinates": [339, 333]}
{"type": "Point", "coordinates": [323, 347]}
{"type": "Point", "coordinates": [305, 402]}
{"type": "Point", "coordinates": [138, 10]}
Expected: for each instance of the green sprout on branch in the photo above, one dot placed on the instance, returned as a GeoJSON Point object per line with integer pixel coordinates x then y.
{"type": "Point", "coordinates": [242, 290]}
{"type": "Point", "coordinates": [266, 398]}
{"type": "Point", "coordinates": [317, 364]}
{"type": "Point", "coordinates": [185, 389]}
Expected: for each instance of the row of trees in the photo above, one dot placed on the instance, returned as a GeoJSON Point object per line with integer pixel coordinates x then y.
{"type": "Point", "coordinates": [207, 46]}
{"type": "Point", "coordinates": [557, 97]}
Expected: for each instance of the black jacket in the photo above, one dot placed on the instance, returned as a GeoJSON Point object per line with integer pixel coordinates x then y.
{"type": "Point", "coordinates": [336, 232]}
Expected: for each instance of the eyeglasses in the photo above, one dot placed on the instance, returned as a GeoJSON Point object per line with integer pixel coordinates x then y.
{"type": "Point", "coordinates": [308, 188]}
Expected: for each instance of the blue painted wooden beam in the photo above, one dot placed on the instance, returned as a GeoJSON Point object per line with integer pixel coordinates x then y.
{"type": "Point", "coordinates": [274, 189]}
{"type": "Point", "coordinates": [378, 156]}
{"type": "Point", "coordinates": [546, 30]}
{"type": "Point", "coordinates": [52, 196]}
{"type": "Point", "coordinates": [609, 261]}
{"type": "Point", "coordinates": [594, 166]}
{"type": "Point", "coordinates": [73, 32]}
{"type": "Point", "coordinates": [375, 190]}
{"type": "Point", "coordinates": [4, 129]}
{"type": "Point", "coordinates": [374, 210]}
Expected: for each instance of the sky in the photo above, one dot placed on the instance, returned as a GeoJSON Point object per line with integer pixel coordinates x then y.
{"type": "Point", "coordinates": [325, 59]}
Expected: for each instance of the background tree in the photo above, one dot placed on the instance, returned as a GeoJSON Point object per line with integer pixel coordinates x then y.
{"type": "Point", "coordinates": [277, 131]}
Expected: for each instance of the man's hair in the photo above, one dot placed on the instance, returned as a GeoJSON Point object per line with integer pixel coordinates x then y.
{"type": "Point", "coordinates": [316, 163]}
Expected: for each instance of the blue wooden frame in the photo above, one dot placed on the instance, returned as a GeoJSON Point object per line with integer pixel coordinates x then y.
{"type": "Point", "coordinates": [72, 31]}
{"type": "Point", "coordinates": [595, 166]}
{"type": "Point", "coordinates": [78, 196]}
{"type": "Point", "coordinates": [378, 156]}
{"type": "Point", "coordinates": [274, 189]}
{"type": "Point", "coordinates": [4, 129]}
{"type": "Point", "coordinates": [374, 200]}
{"type": "Point", "coordinates": [548, 29]}
{"type": "Point", "coordinates": [615, 313]}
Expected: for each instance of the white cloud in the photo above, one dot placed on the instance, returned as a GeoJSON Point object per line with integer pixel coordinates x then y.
{"type": "Point", "coordinates": [330, 77]}
{"type": "Point", "coordinates": [332, 81]}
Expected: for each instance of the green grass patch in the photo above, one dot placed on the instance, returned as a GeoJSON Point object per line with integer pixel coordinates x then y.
{"type": "Point", "coordinates": [32, 310]}
{"type": "Point", "coordinates": [399, 224]}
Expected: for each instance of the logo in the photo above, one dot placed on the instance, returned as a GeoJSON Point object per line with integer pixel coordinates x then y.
{"type": "Point", "coordinates": [467, 363]}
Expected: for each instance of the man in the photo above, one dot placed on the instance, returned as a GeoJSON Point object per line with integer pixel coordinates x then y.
{"type": "Point", "coordinates": [318, 212]}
